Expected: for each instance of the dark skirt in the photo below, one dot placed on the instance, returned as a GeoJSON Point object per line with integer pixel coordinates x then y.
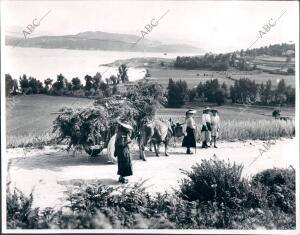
{"type": "Point", "coordinates": [124, 161]}
{"type": "Point", "coordinates": [206, 128]}
{"type": "Point", "coordinates": [189, 140]}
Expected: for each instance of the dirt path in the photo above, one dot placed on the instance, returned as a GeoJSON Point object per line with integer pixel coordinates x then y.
{"type": "Point", "coordinates": [47, 172]}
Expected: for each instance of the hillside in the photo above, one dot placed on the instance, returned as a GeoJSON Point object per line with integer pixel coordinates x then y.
{"type": "Point", "coordinates": [100, 41]}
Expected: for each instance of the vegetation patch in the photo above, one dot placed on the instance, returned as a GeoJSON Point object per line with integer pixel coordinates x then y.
{"type": "Point", "coordinates": [214, 195]}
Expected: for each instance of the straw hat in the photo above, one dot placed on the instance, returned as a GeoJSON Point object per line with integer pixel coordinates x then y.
{"type": "Point", "coordinates": [125, 125]}
{"type": "Point", "coordinates": [191, 111]}
{"type": "Point", "coordinates": [206, 108]}
{"type": "Point", "coordinates": [214, 111]}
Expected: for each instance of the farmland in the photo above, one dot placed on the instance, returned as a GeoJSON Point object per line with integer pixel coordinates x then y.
{"type": "Point", "coordinates": [32, 116]}
{"type": "Point", "coordinates": [193, 77]}
{"type": "Point", "coordinates": [29, 118]}
{"type": "Point", "coordinates": [162, 69]}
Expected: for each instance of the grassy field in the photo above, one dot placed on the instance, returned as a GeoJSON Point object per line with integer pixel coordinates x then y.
{"type": "Point", "coordinates": [29, 118]}
{"type": "Point", "coordinates": [193, 77]}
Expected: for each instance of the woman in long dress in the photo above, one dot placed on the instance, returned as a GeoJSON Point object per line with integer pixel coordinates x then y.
{"type": "Point", "coordinates": [215, 126]}
{"type": "Point", "coordinates": [122, 151]}
{"type": "Point", "coordinates": [189, 140]}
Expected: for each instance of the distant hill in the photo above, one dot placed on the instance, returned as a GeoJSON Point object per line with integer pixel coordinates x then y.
{"type": "Point", "coordinates": [100, 41]}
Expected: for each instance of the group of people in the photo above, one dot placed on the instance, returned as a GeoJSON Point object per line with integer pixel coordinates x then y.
{"type": "Point", "coordinates": [209, 129]}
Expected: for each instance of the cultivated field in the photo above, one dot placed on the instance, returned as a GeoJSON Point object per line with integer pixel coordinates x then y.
{"type": "Point", "coordinates": [29, 119]}
{"type": "Point", "coordinates": [193, 77]}
{"type": "Point", "coordinates": [162, 73]}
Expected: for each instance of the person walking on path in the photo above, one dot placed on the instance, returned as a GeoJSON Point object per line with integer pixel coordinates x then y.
{"type": "Point", "coordinates": [215, 126]}
{"type": "Point", "coordinates": [122, 151]}
{"type": "Point", "coordinates": [206, 128]}
{"type": "Point", "coordinates": [189, 140]}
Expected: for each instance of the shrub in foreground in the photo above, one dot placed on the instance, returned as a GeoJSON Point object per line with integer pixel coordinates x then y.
{"type": "Point", "coordinates": [213, 196]}
{"type": "Point", "coordinates": [280, 188]}
{"type": "Point", "coordinates": [214, 180]}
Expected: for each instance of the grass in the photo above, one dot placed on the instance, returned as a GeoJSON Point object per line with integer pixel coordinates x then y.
{"type": "Point", "coordinates": [262, 129]}
{"type": "Point", "coordinates": [162, 75]}
{"type": "Point", "coordinates": [30, 140]}
{"type": "Point", "coordinates": [29, 119]}
{"type": "Point", "coordinates": [193, 77]}
{"type": "Point", "coordinates": [34, 114]}
{"type": "Point", "coordinates": [254, 129]}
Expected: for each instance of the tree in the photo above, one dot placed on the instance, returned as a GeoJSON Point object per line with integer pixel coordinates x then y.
{"type": "Point", "coordinates": [280, 91]}
{"type": "Point", "coordinates": [146, 97]}
{"type": "Point", "coordinates": [24, 84]}
{"type": "Point", "coordinates": [15, 87]}
{"type": "Point", "coordinates": [221, 66]}
{"type": "Point", "coordinates": [59, 86]}
{"type": "Point", "coordinates": [266, 93]}
{"type": "Point", "coordinates": [225, 88]}
{"type": "Point", "coordinates": [192, 93]}
{"type": "Point", "coordinates": [103, 86]}
{"type": "Point", "coordinates": [123, 73]}
{"type": "Point", "coordinates": [200, 90]}
{"type": "Point", "coordinates": [113, 79]}
{"type": "Point", "coordinates": [35, 85]}
{"type": "Point", "coordinates": [69, 86]}
{"type": "Point", "coordinates": [290, 95]}
{"type": "Point", "coordinates": [177, 92]}
{"type": "Point", "coordinates": [220, 96]}
{"type": "Point", "coordinates": [76, 84]}
{"type": "Point", "coordinates": [88, 82]}
{"type": "Point", "coordinates": [8, 84]}
{"type": "Point", "coordinates": [97, 80]}
{"type": "Point", "coordinates": [48, 83]}
{"type": "Point", "coordinates": [243, 91]}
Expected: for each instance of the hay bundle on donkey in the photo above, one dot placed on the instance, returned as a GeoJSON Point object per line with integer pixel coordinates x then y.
{"type": "Point", "coordinates": [90, 129]}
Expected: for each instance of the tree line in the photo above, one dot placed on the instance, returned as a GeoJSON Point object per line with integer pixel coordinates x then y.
{"type": "Point", "coordinates": [94, 85]}
{"type": "Point", "coordinates": [237, 59]}
{"type": "Point", "coordinates": [243, 91]}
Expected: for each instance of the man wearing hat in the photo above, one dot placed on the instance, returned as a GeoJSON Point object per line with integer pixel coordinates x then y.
{"type": "Point", "coordinates": [215, 126]}
{"type": "Point", "coordinates": [206, 127]}
{"type": "Point", "coordinates": [189, 140]}
{"type": "Point", "coordinates": [122, 151]}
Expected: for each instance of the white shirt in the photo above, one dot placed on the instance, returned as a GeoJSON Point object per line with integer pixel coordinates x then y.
{"type": "Point", "coordinates": [215, 120]}
{"type": "Point", "coordinates": [190, 123]}
{"type": "Point", "coordinates": [205, 118]}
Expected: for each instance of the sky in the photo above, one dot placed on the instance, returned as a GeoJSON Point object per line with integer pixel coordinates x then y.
{"type": "Point", "coordinates": [216, 26]}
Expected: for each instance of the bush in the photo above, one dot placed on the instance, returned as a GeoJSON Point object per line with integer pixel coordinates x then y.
{"type": "Point", "coordinates": [280, 188]}
{"type": "Point", "coordinates": [19, 212]}
{"type": "Point", "coordinates": [213, 197]}
{"type": "Point", "coordinates": [214, 180]}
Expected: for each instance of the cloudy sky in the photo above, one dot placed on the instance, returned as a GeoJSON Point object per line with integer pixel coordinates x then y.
{"type": "Point", "coordinates": [214, 26]}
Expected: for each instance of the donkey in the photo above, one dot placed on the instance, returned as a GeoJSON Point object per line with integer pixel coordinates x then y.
{"type": "Point", "coordinates": [157, 132]}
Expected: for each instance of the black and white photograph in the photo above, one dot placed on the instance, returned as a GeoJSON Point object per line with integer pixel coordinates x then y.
{"type": "Point", "coordinates": [161, 117]}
